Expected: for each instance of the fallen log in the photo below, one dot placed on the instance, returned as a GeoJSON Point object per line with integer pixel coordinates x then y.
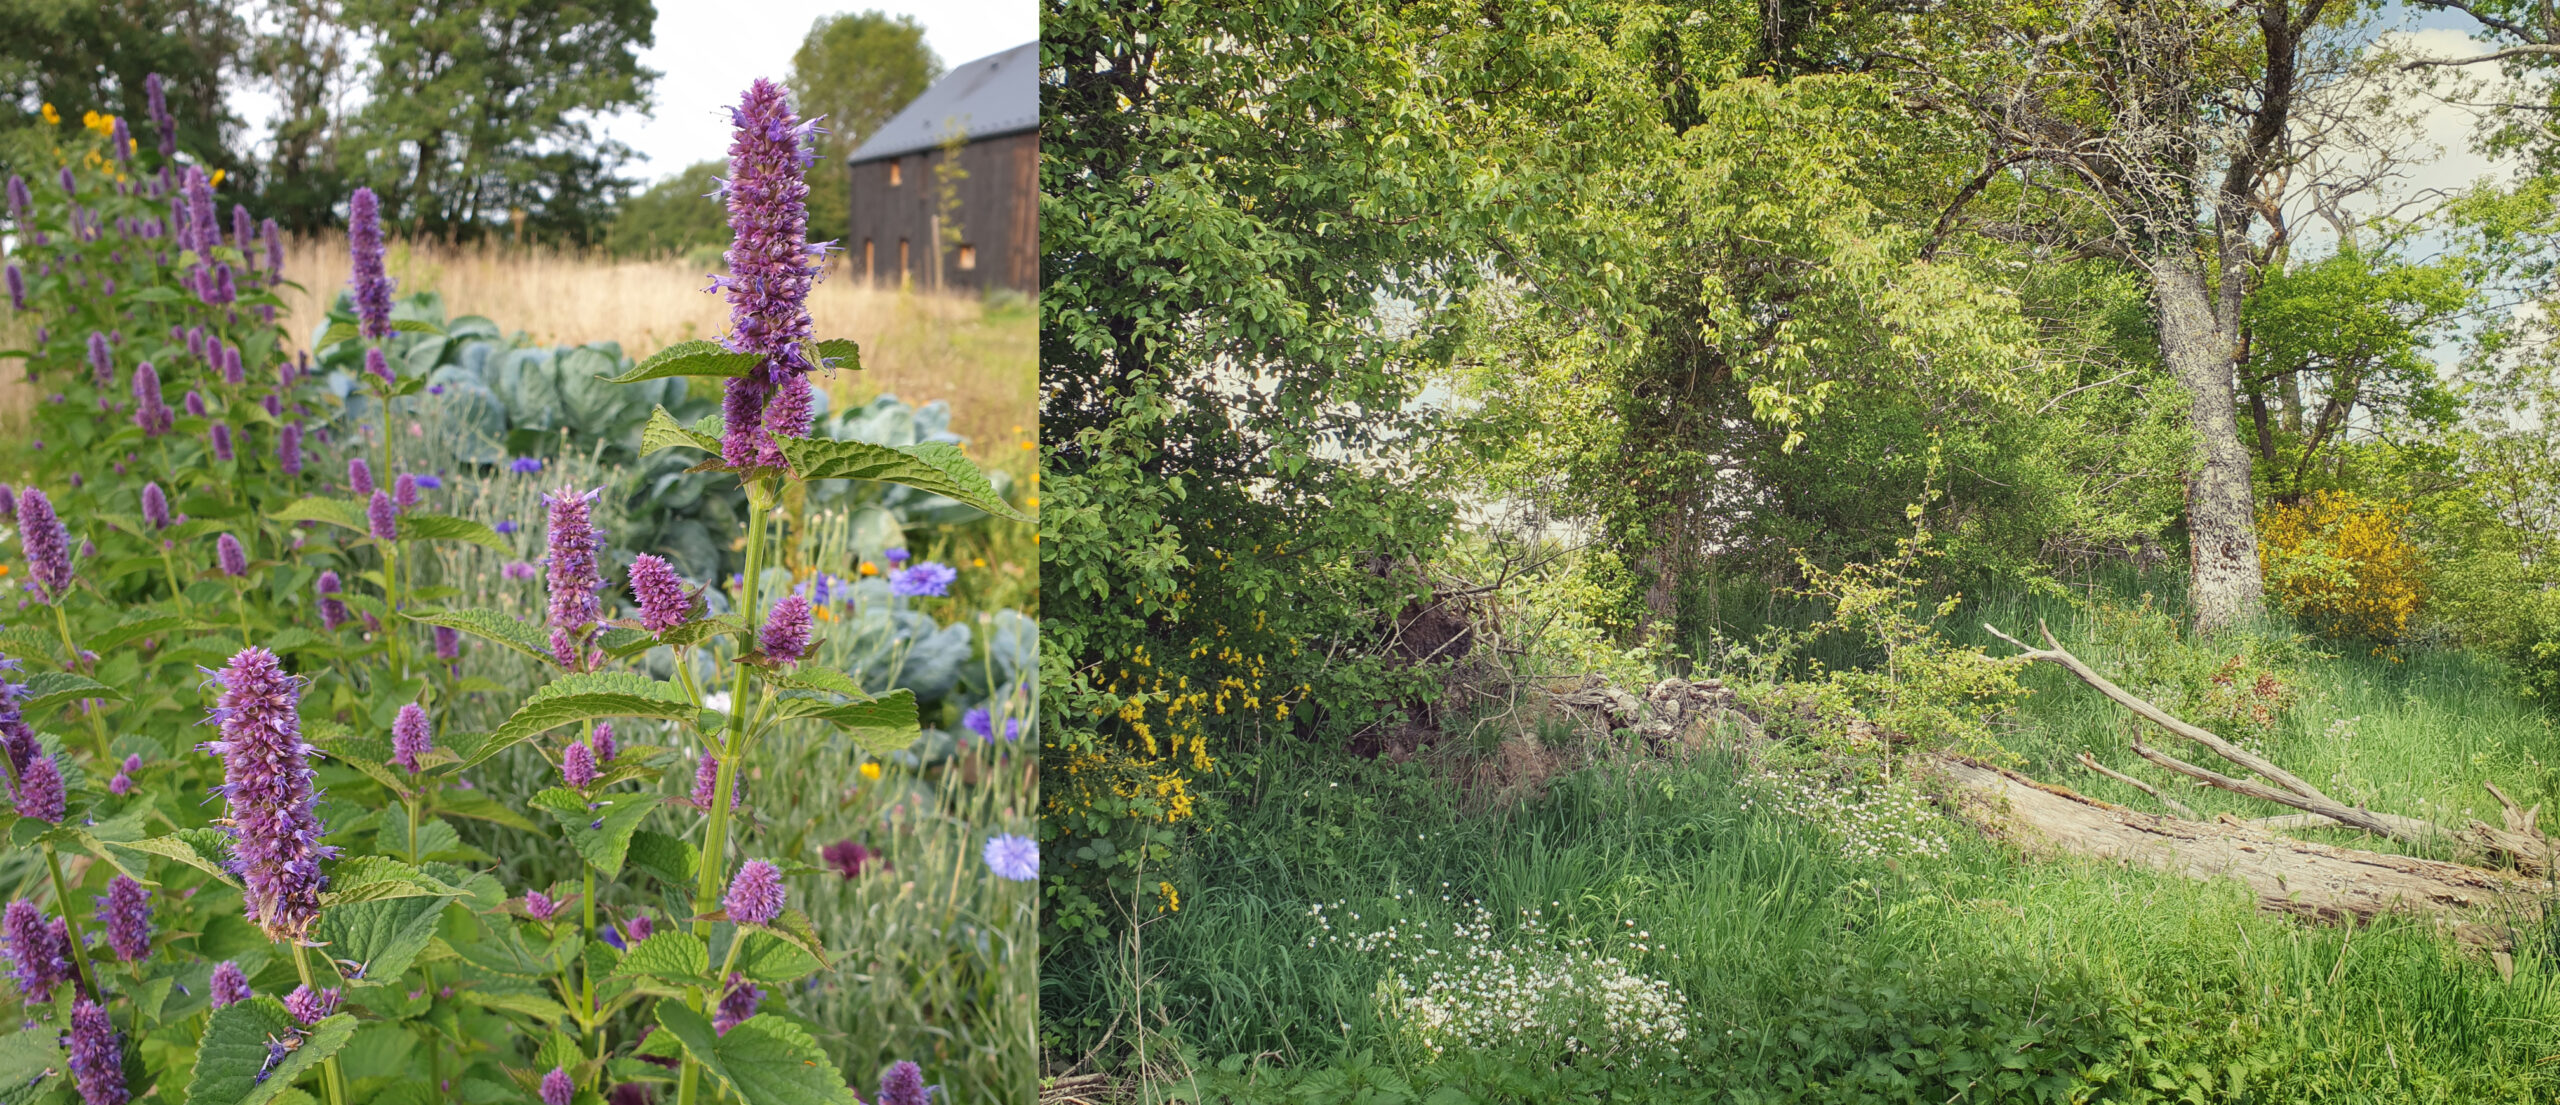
{"type": "Point", "coordinates": [2321, 882]}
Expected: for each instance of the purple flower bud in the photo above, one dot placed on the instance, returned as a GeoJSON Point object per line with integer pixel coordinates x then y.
{"type": "Point", "coordinates": [8, 502]}
{"type": "Point", "coordinates": [267, 783]}
{"type": "Point", "coordinates": [38, 958]}
{"type": "Point", "coordinates": [221, 434]}
{"type": "Point", "coordinates": [125, 911]}
{"type": "Point", "coordinates": [736, 1004]}
{"type": "Point", "coordinates": [288, 446]}
{"type": "Point", "coordinates": [448, 643]}
{"type": "Point", "coordinates": [39, 793]}
{"type": "Point", "coordinates": [228, 557]}
{"type": "Point", "coordinates": [70, 184]}
{"type": "Point", "coordinates": [525, 466]}
{"type": "Point", "coordinates": [359, 476]}
{"type": "Point", "coordinates": [706, 782]}
{"type": "Point", "coordinates": [309, 1007]}
{"type": "Point", "coordinates": [410, 736]}
{"type": "Point", "coordinates": [121, 785]}
{"type": "Point", "coordinates": [506, 525]}
{"type": "Point", "coordinates": [155, 506]}
{"type": "Point", "coordinates": [19, 201]}
{"type": "Point", "coordinates": [241, 227]}
{"type": "Point", "coordinates": [902, 1084]}
{"type": "Point", "coordinates": [573, 542]}
{"type": "Point", "coordinates": [755, 893]}
{"type": "Point", "coordinates": [539, 905]}
{"type": "Point", "coordinates": [557, 1089]}
{"type": "Point", "coordinates": [578, 766]}
{"type": "Point", "coordinates": [379, 365]}
{"type": "Point", "coordinates": [149, 412]}
{"type": "Point", "coordinates": [196, 339]}
{"type": "Point", "coordinates": [234, 372]}
{"type": "Point", "coordinates": [926, 579]}
{"type": "Point", "coordinates": [121, 140]}
{"type": "Point", "coordinates": [371, 287]}
{"type": "Point", "coordinates": [637, 928]}
{"type": "Point", "coordinates": [203, 233]}
{"type": "Point", "coordinates": [654, 585]}
{"type": "Point", "coordinates": [517, 569]}
{"type": "Point", "coordinates": [333, 610]}
{"type": "Point", "coordinates": [785, 636]}
{"type": "Point", "coordinates": [602, 740]}
{"type": "Point", "coordinates": [381, 520]}
{"type": "Point", "coordinates": [404, 491]}
{"type": "Point", "coordinates": [220, 289]}
{"type": "Point", "coordinates": [848, 857]}
{"type": "Point", "coordinates": [229, 984]}
{"type": "Point", "coordinates": [275, 249]}
{"type": "Point", "coordinates": [97, 1056]}
{"type": "Point", "coordinates": [101, 368]}
{"type": "Point", "coordinates": [47, 544]}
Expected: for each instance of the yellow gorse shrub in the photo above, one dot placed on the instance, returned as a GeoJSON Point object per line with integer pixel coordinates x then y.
{"type": "Point", "coordinates": [2344, 564]}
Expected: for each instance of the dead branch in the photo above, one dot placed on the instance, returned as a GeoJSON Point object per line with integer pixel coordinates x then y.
{"type": "Point", "coordinates": [2175, 806]}
{"type": "Point", "coordinates": [2345, 815]}
{"type": "Point", "coordinates": [2528, 50]}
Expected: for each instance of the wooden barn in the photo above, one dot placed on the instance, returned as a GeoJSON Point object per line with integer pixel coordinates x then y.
{"type": "Point", "coordinates": [947, 193]}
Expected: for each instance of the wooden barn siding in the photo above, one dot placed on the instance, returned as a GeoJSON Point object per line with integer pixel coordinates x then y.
{"type": "Point", "coordinates": [999, 215]}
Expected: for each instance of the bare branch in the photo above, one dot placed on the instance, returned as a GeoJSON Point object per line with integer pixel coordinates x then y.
{"type": "Point", "coordinates": [2534, 49]}
{"type": "Point", "coordinates": [2175, 806]}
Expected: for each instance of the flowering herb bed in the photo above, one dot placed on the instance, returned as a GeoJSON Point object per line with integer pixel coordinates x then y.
{"type": "Point", "coordinates": [232, 869]}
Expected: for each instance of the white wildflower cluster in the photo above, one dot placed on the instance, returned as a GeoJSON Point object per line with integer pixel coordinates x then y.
{"type": "Point", "coordinates": [2344, 729]}
{"type": "Point", "coordinates": [1460, 984]}
{"type": "Point", "coordinates": [1869, 821]}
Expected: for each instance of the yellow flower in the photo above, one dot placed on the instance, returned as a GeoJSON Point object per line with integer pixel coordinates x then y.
{"type": "Point", "coordinates": [217, 178]}
{"type": "Point", "coordinates": [50, 115]}
{"type": "Point", "coordinates": [870, 569]}
{"type": "Point", "coordinates": [1032, 503]}
{"type": "Point", "coordinates": [871, 771]}
{"type": "Point", "coordinates": [978, 562]}
{"type": "Point", "coordinates": [1026, 445]}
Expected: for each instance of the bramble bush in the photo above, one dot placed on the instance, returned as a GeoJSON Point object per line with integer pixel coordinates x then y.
{"type": "Point", "coordinates": [207, 608]}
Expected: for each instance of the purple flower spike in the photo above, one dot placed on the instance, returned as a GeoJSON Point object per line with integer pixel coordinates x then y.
{"type": "Point", "coordinates": [637, 928]}
{"type": "Point", "coordinates": [448, 643]}
{"type": "Point", "coordinates": [380, 519]}
{"type": "Point", "coordinates": [47, 544]}
{"type": "Point", "coordinates": [539, 905]}
{"type": "Point", "coordinates": [267, 781]}
{"type": "Point", "coordinates": [371, 286]}
{"type": "Point", "coordinates": [602, 741]}
{"type": "Point", "coordinates": [410, 736]}
{"type": "Point", "coordinates": [17, 288]}
{"type": "Point", "coordinates": [161, 122]}
{"type": "Point", "coordinates": [275, 249]}
{"type": "Point", "coordinates": [755, 894]}
{"type": "Point", "coordinates": [333, 610]}
{"type": "Point", "coordinates": [38, 959]}
{"type": "Point", "coordinates": [19, 201]}
{"type": "Point", "coordinates": [380, 366]}
{"type": "Point", "coordinates": [39, 793]}
{"type": "Point", "coordinates": [359, 476]}
{"type": "Point", "coordinates": [578, 766]}
{"type": "Point", "coordinates": [902, 1084]}
{"type": "Point", "coordinates": [101, 367]}
{"type": "Point", "coordinates": [573, 542]}
{"type": "Point", "coordinates": [203, 232]}
{"type": "Point", "coordinates": [736, 1004]}
{"type": "Point", "coordinates": [222, 441]}
{"type": "Point", "coordinates": [785, 636]}
{"type": "Point", "coordinates": [927, 579]}
{"type": "Point", "coordinates": [228, 556]}
{"type": "Point", "coordinates": [241, 227]}
{"type": "Point", "coordinates": [234, 372]}
{"type": "Point", "coordinates": [155, 506]}
{"type": "Point", "coordinates": [8, 502]}
{"type": "Point", "coordinates": [125, 910]}
{"type": "Point", "coordinates": [310, 1007]}
{"type": "Point", "coordinates": [149, 412]}
{"type": "Point", "coordinates": [289, 446]}
{"type": "Point", "coordinates": [557, 1089]}
{"type": "Point", "coordinates": [97, 1056]}
{"type": "Point", "coordinates": [120, 139]}
{"type": "Point", "coordinates": [655, 586]}
{"type": "Point", "coordinates": [706, 782]}
{"type": "Point", "coordinates": [229, 984]}
{"type": "Point", "coordinates": [770, 271]}
{"type": "Point", "coordinates": [404, 491]}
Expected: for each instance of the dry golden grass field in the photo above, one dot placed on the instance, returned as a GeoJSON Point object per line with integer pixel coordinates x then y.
{"type": "Point", "coordinates": [918, 346]}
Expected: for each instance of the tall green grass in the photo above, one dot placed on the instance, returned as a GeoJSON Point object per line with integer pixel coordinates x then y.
{"type": "Point", "coordinates": [1978, 976]}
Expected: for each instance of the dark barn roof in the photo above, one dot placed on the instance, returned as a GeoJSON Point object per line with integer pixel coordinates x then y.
{"type": "Point", "coordinates": [996, 94]}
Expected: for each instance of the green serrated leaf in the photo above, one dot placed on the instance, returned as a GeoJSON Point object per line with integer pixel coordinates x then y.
{"type": "Point", "coordinates": [602, 834]}
{"type": "Point", "coordinates": [415, 326]}
{"type": "Point", "coordinates": [132, 629]}
{"type": "Point", "coordinates": [337, 332]}
{"type": "Point", "coordinates": [27, 1056]}
{"type": "Point", "coordinates": [376, 941]}
{"type": "Point", "coordinates": [479, 805]}
{"type": "Point", "coordinates": [343, 513]}
{"type": "Point", "coordinates": [663, 432]}
{"type": "Point", "coordinates": [49, 689]}
{"type": "Point", "coordinates": [440, 527]}
{"type": "Point", "coordinates": [881, 726]}
{"type": "Point", "coordinates": [671, 859]}
{"type": "Point", "coordinates": [490, 625]}
{"type": "Point", "coordinates": [935, 466]}
{"type": "Point", "coordinates": [674, 956]}
{"type": "Point", "coordinates": [768, 958]}
{"type": "Point", "coordinates": [583, 697]}
{"type": "Point", "coordinates": [809, 677]}
{"type": "Point", "coordinates": [232, 1058]}
{"type": "Point", "coordinates": [764, 1060]}
{"type": "Point", "coordinates": [622, 643]}
{"type": "Point", "coordinates": [840, 355]}
{"type": "Point", "coordinates": [206, 850]}
{"type": "Point", "coordinates": [692, 358]}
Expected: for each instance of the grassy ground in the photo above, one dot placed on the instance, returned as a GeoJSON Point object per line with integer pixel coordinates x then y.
{"type": "Point", "coordinates": [1810, 976]}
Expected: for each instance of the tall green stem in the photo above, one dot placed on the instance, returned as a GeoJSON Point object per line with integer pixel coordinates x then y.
{"type": "Point", "coordinates": [715, 841]}
{"type": "Point", "coordinates": [332, 1083]}
{"type": "Point", "coordinates": [71, 922]}
{"type": "Point", "coordinates": [71, 662]}
{"type": "Point", "coordinates": [391, 604]}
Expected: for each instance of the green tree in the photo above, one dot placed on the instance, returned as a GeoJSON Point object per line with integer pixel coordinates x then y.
{"type": "Point", "coordinates": [672, 216]}
{"type": "Point", "coordinates": [480, 108]}
{"type": "Point", "coordinates": [857, 70]}
{"type": "Point", "coordinates": [81, 56]}
{"type": "Point", "coordinates": [307, 54]}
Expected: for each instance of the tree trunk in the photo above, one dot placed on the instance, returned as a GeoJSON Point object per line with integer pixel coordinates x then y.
{"type": "Point", "coordinates": [2222, 534]}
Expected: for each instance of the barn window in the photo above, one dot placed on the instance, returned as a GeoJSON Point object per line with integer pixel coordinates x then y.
{"type": "Point", "coordinates": [968, 257]}
{"type": "Point", "coordinates": [895, 178]}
